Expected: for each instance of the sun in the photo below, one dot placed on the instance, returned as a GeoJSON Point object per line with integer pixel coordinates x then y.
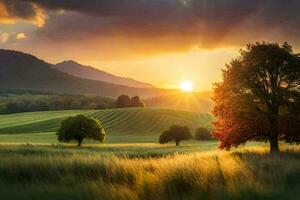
{"type": "Point", "coordinates": [187, 86]}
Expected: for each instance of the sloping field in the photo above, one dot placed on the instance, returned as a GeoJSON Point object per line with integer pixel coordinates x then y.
{"type": "Point", "coordinates": [148, 121]}
{"type": "Point", "coordinates": [34, 122]}
{"type": "Point", "coordinates": [134, 124]}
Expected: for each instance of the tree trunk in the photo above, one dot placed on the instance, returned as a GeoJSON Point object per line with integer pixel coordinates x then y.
{"type": "Point", "coordinates": [177, 143]}
{"type": "Point", "coordinates": [273, 138]}
{"type": "Point", "coordinates": [274, 147]}
{"type": "Point", "coordinates": [79, 141]}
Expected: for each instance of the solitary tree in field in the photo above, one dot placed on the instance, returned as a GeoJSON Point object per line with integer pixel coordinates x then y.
{"type": "Point", "coordinates": [259, 98]}
{"type": "Point", "coordinates": [80, 127]}
{"type": "Point", "coordinates": [175, 133]}
{"type": "Point", "coordinates": [123, 101]}
{"type": "Point", "coordinates": [203, 133]}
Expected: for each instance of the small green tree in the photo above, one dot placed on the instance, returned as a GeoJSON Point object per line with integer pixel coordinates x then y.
{"type": "Point", "coordinates": [165, 137]}
{"type": "Point", "coordinates": [123, 101]}
{"type": "Point", "coordinates": [203, 133]}
{"type": "Point", "coordinates": [175, 133]}
{"type": "Point", "coordinates": [80, 127]}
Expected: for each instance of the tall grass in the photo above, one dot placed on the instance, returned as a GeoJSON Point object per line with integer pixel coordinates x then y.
{"type": "Point", "coordinates": [32, 173]}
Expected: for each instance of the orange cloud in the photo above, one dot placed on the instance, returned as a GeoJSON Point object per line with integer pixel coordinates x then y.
{"type": "Point", "coordinates": [4, 16]}
{"type": "Point", "coordinates": [120, 29]}
{"type": "Point", "coordinates": [148, 27]}
{"type": "Point", "coordinates": [14, 11]}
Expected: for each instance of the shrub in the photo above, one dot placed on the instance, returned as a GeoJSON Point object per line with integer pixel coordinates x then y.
{"type": "Point", "coordinates": [175, 133]}
{"type": "Point", "coordinates": [203, 133]}
{"type": "Point", "coordinates": [123, 101]}
{"type": "Point", "coordinates": [80, 127]}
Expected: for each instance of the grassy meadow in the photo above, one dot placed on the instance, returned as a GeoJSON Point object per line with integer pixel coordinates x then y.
{"type": "Point", "coordinates": [122, 125]}
{"type": "Point", "coordinates": [132, 165]}
{"type": "Point", "coordinates": [66, 172]}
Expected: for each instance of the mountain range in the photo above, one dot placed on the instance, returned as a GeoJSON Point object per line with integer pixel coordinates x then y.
{"type": "Point", "coordinates": [82, 71]}
{"type": "Point", "coordinates": [24, 73]}
{"type": "Point", "coordinates": [21, 71]}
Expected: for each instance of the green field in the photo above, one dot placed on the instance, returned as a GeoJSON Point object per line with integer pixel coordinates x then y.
{"type": "Point", "coordinates": [130, 132]}
{"type": "Point", "coordinates": [134, 125]}
{"type": "Point", "coordinates": [131, 165]}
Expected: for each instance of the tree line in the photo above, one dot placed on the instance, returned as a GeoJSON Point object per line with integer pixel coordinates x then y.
{"type": "Point", "coordinates": [124, 101]}
{"type": "Point", "coordinates": [11, 103]}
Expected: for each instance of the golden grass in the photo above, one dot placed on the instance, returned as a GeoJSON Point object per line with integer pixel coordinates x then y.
{"type": "Point", "coordinates": [250, 173]}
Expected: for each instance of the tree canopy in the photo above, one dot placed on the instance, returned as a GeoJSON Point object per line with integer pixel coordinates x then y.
{"type": "Point", "coordinates": [203, 133]}
{"type": "Point", "coordinates": [124, 101]}
{"type": "Point", "coordinates": [136, 102]}
{"type": "Point", "coordinates": [258, 98]}
{"type": "Point", "coordinates": [80, 127]}
{"type": "Point", "coordinates": [175, 133]}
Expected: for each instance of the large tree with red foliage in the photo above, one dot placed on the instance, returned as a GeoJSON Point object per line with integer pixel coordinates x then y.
{"type": "Point", "coordinates": [259, 97]}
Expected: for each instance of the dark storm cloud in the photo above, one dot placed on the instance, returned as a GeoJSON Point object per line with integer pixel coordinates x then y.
{"type": "Point", "coordinates": [206, 22]}
{"type": "Point", "coordinates": [17, 8]}
{"type": "Point", "coordinates": [128, 16]}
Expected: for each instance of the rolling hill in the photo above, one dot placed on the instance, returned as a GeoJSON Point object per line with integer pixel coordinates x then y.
{"type": "Point", "coordinates": [87, 72]}
{"type": "Point", "coordinates": [196, 102]}
{"type": "Point", "coordinates": [20, 71]}
{"type": "Point", "coordinates": [123, 125]}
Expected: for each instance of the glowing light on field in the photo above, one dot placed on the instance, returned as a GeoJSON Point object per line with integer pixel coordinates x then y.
{"type": "Point", "coordinates": [187, 86]}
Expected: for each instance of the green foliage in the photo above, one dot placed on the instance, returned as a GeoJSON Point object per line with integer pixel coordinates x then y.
{"type": "Point", "coordinates": [258, 98]}
{"type": "Point", "coordinates": [136, 102]}
{"type": "Point", "coordinates": [124, 101]}
{"type": "Point", "coordinates": [175, 133]}
{"type": "Point", "coordinates": [165, 137]}
{"type": "Point", "coordinates": [80, 127]}
{"type": "Point", "coordinates": [202, 133]}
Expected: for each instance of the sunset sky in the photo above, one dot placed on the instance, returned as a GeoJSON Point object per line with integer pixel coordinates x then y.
{"type": "Point", "coordinates": [163, 42]}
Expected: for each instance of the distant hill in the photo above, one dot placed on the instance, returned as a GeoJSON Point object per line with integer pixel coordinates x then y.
{"type": "Point", "coordinates": [196, 102]}
{"type": "Point", "coordinates": [87, 72]}
{"type": "Point", "coordinates": [20, 71]}
{"type": "Point", "coordinates": [23, 73]}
